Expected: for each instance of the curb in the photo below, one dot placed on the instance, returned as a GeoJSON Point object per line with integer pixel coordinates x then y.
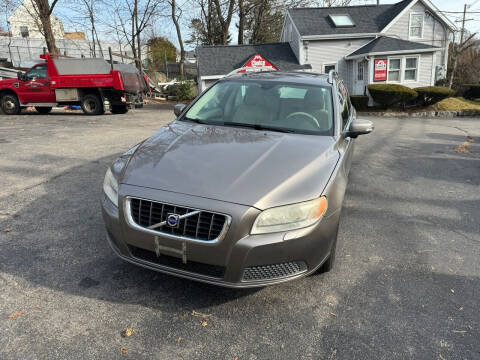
{"type": "Point", "coordinates": [423, 114]}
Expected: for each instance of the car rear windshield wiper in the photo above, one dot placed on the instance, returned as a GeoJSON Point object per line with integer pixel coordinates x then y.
{"type": "Point", "coordinates": [259, 127]}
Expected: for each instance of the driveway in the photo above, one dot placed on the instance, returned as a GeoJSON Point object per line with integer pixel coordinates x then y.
{"type": "Point", "coordinates": [406, 283]}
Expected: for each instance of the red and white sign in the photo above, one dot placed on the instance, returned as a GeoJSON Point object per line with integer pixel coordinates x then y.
{"type": "Point", "coordinates": [257, 63]}
{"type": "Point", "coordinates": [380, 71]}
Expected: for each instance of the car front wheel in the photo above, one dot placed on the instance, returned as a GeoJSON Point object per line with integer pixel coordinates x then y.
{"type": "Point", "coordinates": [10, 104]}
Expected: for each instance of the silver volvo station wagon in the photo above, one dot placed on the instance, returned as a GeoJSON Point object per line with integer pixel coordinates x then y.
{"type": "Point", "coordinates": [244, 188]}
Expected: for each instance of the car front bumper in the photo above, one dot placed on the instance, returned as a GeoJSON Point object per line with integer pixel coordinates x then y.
{"type": "Point", "coordinates": [238, 260]}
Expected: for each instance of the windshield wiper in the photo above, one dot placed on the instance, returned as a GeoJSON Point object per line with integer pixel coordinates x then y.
{"type": "Point", "coordinates": [258, 127]}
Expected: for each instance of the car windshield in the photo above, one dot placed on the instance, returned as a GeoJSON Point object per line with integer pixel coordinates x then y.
{"type": "Point", "coordinates": [266, 105]}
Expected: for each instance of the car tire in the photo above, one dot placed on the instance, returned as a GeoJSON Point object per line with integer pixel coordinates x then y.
{"type": "Point", "coordinates": [119, 109]}
{"type": "Point", "coordinates": [92, 105]}
{"type": "Point", "coordinates": [10, 104]}
{"type": "Point", "coordinates": [43, 109]}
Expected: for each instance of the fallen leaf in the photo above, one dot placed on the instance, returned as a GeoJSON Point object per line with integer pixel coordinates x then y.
{"type": "Point", "coordinates": [463, 148]}
{"type": "Point", "coordinates": [7, 230]}
{"type": "Point", "coordinates": [433, 267]}
{"type": "Point", "coordinates": [199, 314]}
{"type": "Point", "coordinates": [333, 314]}
{"type": "Point", "coordinates": [204, 323]}
{"type": "Point", "coordinates": [37, 306]}
{"type": "Point", "coordinates": [469, 138]}
{"type": "Point", "coordinates": [15, 314]}
{"type": "Point", "coordinates": [127, 332]}
{"type": "Point", "coordinates": [235, 358]}
{"type": "Point", "coordinates": [179, 339]}
{"type": "Point", "coordinates": [440, 356]}
{"type": "Point", "coordinates": [347, 255]}
{"type": "Point", "coordinates": [185, 315]}
{"type": "Point", "coordinates": [124, 350]}
{"type": "Point", "coordinates": [460, 308]}
{"type": "Point", "coordinates": [452, 290]}
{"type": "Point", "coordinates": [423, 306]}
{"type": "Point", "coordinates": [15, 283]}
{"type": "Point", "coordinates": [334, 352]}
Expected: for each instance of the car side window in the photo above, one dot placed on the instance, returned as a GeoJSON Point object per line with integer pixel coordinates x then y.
{"type": "Point", "coordinates": [344, 105]}
{"type": "Point", "coordinates": [38, 72]}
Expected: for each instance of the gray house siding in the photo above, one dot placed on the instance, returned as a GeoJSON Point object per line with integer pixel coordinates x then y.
{"type": "Point", "coordinates": [291, 35]}
{"type": "Point", "coordinates": [326, 52]}
{"type": "Point", "coordinates": [424, 70]}
{"type": "Point", "coordinates": [433, 30]}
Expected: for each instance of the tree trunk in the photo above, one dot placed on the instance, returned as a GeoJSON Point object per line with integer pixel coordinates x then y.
{"type": "Point", "coordinates": [180, 41]}
{"type": "Point", "coordinates": [44, 12]}
{"type": "Point", "coordinates": [241, 22]}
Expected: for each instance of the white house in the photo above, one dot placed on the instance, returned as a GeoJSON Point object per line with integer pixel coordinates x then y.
{"type": "Point", "coordinates": [25, 23]}
{"type": "Point", "coordinates": [404, 43]}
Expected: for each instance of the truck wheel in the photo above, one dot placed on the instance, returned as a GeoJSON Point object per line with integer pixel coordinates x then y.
{"type": "Point", "coordinates": [10, 104]}
{"type": "Point", "coordinates": [119, 109]}
{"type": "Point", "coordinates": [92, 105]}
{"type": "Point", "coordinates": [43, 109]}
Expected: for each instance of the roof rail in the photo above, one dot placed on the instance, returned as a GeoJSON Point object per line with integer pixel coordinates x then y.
{"type": "Point", "coordinates": [331, 75]}
{"type": "Point", "coordinates": [249, 70]}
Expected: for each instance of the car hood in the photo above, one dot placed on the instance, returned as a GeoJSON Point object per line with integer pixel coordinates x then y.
{"type": "Point", "coordinates": [244, 166]}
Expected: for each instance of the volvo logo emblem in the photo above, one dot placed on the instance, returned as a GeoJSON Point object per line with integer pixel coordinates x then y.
{"type": "Point", "coordinates": [173, 220]}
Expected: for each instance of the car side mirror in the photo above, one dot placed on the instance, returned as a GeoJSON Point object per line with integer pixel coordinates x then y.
{"type": "Point", "coordinates": [178, 109]}
{"type": "Point", "coordinates": [20, 76]}
{"type": "Point", "coordinates": [359, 127]}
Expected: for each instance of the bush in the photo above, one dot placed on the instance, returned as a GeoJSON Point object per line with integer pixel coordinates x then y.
{"type": "Point", "coordinates": [391, 94]}
{"type": "Point", "coordinates": [429, 95]}
{"type": "Point", "coordinates": [472, 91]}
{"type": "Point", "coordinates": [184, 90]}
{"type": "Point", "coordinates": [359, 101]}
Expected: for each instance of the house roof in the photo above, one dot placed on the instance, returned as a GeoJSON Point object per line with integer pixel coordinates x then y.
{"type": "Point", "coordinates": [388, 44]}
{"type": "Point", "coordinates": [223, 59]}
{"type": "Point", "coordinates": [367, 18]}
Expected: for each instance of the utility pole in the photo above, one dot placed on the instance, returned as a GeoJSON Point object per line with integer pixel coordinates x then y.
{"type": "Point", "coordinates": [463, 24]}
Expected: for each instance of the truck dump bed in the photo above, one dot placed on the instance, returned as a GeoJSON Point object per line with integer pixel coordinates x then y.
{"type": "Point", "coordinates": [75, 72]}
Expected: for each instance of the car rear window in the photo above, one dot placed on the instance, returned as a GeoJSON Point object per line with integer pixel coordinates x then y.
{"type": "Point", "coordinates": [301, 108]}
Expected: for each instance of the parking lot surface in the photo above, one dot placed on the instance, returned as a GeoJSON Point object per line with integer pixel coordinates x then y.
{"type": "Point", "coordinates": [406, 283]}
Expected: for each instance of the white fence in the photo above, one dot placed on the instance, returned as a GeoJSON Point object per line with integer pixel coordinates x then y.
{"type": "Point", "coordinates": [25, 52]}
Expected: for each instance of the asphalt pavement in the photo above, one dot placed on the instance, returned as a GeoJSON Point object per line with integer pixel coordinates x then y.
{"type": "Point", "coordinates": [406, 283]}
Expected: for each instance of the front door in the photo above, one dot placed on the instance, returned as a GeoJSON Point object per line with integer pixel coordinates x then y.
{"type": "Point", "coordinates": [360, 77]}
{"type": "Point", "coordinates": [36, 87]}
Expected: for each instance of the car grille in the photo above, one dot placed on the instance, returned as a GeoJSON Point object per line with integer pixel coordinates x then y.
{"type": "Point", "coordinates": [274, 271]}
{"type": "Point", "coordinates": [176, 263]}
{"type": "Point", "coordinates": [205, 226]}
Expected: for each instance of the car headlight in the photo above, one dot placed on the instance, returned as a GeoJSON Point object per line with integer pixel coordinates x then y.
{"type": "Point", "coordinates": [110, 183]}
{"type": "Point", "coordinates": [110, 187]}
{"type": "Point", "coordinates": [290, 217]}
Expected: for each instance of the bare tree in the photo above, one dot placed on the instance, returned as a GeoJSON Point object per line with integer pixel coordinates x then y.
{"type": "Point", "coordinates": [176, 14]}
{"type": "Point", "coordinates": [131, 19]}
{"type": "Point", "coordinates": [225, 14]}
{"type": "Point", "coordinates": [44, 9]}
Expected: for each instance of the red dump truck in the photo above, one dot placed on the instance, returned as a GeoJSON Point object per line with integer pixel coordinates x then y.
{"type": "Point", "coordinates": [94, 84]}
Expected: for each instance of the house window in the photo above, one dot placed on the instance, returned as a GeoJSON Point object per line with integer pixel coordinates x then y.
{"type": "Point", "coordinates": [411, 65]}
{"type": "Point", "coordinates": [416, 26]}
{"type": "Point", "coordinates": [24, 31]}
{"type": "Point", "coordinates": [394, 69]}
{"type": "Point", "coordinates": [328, 67]}
{"type": "Point", "coordinates": [360, 70]}
{"type": "Point", "coordinates": [341, 20]}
